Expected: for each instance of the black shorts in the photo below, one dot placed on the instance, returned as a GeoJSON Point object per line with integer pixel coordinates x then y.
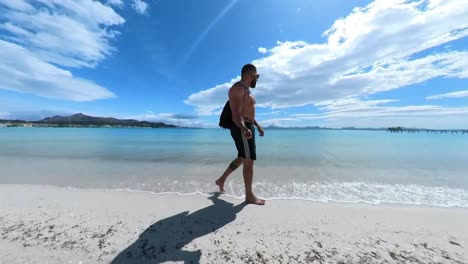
{"type": "Point", "coordinates": [245, 148]}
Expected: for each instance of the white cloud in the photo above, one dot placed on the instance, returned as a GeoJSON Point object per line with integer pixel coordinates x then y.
{"type": "Point", "coordinates": [262, 50]}
{"type": "Point", "coordinates": [68, 33]}
{"type": "Point", "coordinates": [210, 101]}
{"type": "Point", "coordinates": [4, 115]}
{"type": "Point", "coordinates": [351, 104]}
{"type": "Point", "coordinates": [371, 113]}
{"type": "Point", "coordinates": [140, 6]}
{"type": "Point", "coordinates": [458, 94]}
{"type": "Point", "coordinates": [41, 38]}
{"type": "Point", "coordinates": [116, 3]}
{"type": "Point", "coordinates": [354, 108]}
{"type": "Point", "coordinates": [280, 122]}
{"type": "Point", "coordinates": [22, 71]}
{"type": "Point", "coordinates": [374, 49]}
{"type": "Point", "coordinates": [20, 5]}
{"type": "Point", "coordinates": [270, 113]}
{"type": "Point", "coordinates": [422, 116]}
{"type": "Point", "coordinates": [171, 118]}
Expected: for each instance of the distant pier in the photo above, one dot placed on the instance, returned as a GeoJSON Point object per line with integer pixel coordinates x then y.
{"type": "Point", "coordinates": [419, 130]}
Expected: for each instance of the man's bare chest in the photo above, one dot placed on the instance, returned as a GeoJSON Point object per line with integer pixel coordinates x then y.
{"type": "Point", "coordinates": [249, 100]}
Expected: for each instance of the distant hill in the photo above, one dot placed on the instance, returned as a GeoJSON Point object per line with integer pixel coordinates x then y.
{"type": "Point", "coordinates": [82, 120]}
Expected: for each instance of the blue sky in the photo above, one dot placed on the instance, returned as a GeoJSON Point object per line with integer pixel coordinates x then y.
{"type": "Point", "coordinates": [327, 63]}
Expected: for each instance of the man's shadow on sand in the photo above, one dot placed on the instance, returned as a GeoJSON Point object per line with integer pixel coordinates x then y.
{"type": "Point", "coordinates": [164, 240]}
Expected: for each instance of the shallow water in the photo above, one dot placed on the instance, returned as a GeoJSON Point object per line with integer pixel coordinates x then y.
{"type": "Point", "coordinates": [319, 165]}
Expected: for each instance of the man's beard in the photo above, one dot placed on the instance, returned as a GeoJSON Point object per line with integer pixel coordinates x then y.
{"type": "Point", "coordinates": [253, 83]}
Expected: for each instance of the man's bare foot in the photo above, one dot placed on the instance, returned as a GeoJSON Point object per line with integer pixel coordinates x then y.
{"type": "Point", "coordinates": [221, 185]}
{"type": "Point", "coordinates": [254, 200]}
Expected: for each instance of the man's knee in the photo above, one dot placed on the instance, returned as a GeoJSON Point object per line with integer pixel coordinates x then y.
{"type": "Point", "coordinates": [248, 162]}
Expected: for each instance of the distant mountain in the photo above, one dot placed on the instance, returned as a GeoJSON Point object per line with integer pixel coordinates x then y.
{"type": "Point", "coordinates": [83, 120]}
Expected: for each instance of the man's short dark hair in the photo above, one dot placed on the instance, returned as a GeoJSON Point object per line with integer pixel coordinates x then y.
{"type": "Point", "coordinates": [248, 68]}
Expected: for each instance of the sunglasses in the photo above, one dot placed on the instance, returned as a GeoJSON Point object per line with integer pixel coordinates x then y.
{"type": "Point", "coordinates": [257, 75]}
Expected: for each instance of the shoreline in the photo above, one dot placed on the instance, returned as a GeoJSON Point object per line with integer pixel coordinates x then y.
{"type": "Point", "coordinates": [241, 198]}
{"type": "Point", "coordinates": [49, 224]}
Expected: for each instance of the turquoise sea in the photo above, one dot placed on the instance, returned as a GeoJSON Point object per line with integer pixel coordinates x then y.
{"type": "Point", "coordinates": [319, 165]}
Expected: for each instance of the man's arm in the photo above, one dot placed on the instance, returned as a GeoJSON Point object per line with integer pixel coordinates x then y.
{"type": "Point", "coordinates": [236, 99]}
{"type": "Point", "coordinates": [260, 129]}
{"type": "Point", "coordinates": [256, 124]}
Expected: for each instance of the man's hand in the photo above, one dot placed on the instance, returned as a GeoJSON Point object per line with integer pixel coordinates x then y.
{"type": "Point", "coordinates": [260, 131]}
{"type": "Point", "coordinates": [247, 134]}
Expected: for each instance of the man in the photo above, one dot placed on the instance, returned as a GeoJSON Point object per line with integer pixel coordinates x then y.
{"type": "Point", "coordinates": [242, 104]}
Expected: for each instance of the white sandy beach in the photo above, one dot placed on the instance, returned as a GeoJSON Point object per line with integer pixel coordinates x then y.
{"type": "Point", "coordinates": [42, 224]}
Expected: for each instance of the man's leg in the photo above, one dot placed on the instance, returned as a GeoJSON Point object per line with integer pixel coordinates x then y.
{"type": "Point", "coordinates": [232, 167]}
{"type": "Point", "coordinates": [248, 179]}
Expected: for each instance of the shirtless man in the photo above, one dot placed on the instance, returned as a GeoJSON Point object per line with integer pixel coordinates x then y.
{"type": "Point", "coordinates": [242, 104]}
